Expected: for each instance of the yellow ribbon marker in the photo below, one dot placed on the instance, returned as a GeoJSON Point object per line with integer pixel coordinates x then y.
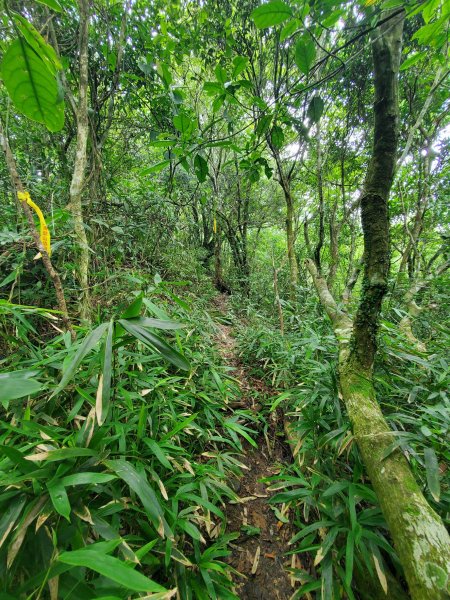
{"type": "Point", "coordinates": [215, 225]}
{"type": "Point", "coordinates": [44, 233]}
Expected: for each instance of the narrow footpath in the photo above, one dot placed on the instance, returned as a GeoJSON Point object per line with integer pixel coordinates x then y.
{"type": "Point", "coordinates": [259, 554]}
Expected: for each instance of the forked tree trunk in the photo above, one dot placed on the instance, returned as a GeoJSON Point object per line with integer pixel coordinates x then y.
{"type": "Point", "coordinates": [419, 535]}
{"type": "Point", "coordinates": [78, 177]}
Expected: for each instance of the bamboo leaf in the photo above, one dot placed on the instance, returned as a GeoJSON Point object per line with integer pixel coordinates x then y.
{"type": "Point", "coordinates": [89, 342]}
{"type": "Point", "coordinates": [10, 516]}
{"type": "Point", "coordinates": [21, 530]}
{"type": "Point", "coordinates": [17, 384]}
{"type": "Point", "coordinates": [157, 451]}
{"type": "Point", "coordinates": [158, 323]}
{"type": "Point", "coordinates": [139, 484]}
{"type": "Point", "coordinates": [61, 454]}
{"type": "Point", "coordinates": [155, 342]}
{"type": "Point", "coordinates": [134, 309]}
{"type": "Point", "coordinates": [112, 568]}
{"type": "Point", "coordinates": [432, 473]}
{"type": "Point", "coordinates": [103, 398]}
{"type": "Point", "coordinates": [59, 498]}
{"type": "Point", "coordinates": [87, 478]}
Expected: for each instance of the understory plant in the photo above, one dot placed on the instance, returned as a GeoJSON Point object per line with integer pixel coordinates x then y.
{"type": "Point", "coordinates": [114, 457]}
{"type": "Point", "coordinates": [342, 544]}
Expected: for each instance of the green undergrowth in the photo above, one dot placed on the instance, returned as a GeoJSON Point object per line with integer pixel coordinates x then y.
{"type": "Point", "coordinates": [115, 452]}
{"type": "Point", "coordinates": [339, 525]}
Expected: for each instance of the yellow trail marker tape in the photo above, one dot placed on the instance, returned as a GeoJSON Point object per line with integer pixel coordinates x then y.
{"type": "Point", "coordinates": [45, 233]}
{"type": "Point", "coordinates": [215, 225]}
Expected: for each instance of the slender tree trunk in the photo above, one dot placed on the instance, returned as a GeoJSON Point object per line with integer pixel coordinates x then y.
{"type": "Point", "coordinates": [419, 535]}
{"type": "Point", "coordinates": [52, 272]}
{"type": "Point", "coordinates": [277, 295]}
{"type": "Point", "coordinates": [321, 236]}
{"type": "Point", "coordinates": [78, 177]}
{"type": "Point", "coordinates": [285, 182]}
{"type": "Point", "coordinates": [422, 204]}
{"type": "Point", "coordinates": [413, 310]}
{"type": "Point", "coordinates": [290, 239]}
{"type": "Point", "coordinates": [353, 278]}
{"type": "Point", "coordinates": [335, 229]}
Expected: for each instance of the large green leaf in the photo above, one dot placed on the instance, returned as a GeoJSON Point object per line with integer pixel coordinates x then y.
{"type": "Point", "coordinates": [315, 109]}
{"type": "Point", "coordinates": [200, 167]}
{"type": "Point", "coordinates": [240, 63]}
{"type": "Point", "coordinates": [305, 53]}
{"type": "Point", "coordinates": [31, 86]}
{"type": "Point", "coordinates": [112, 568]}
{"type": "Point", "coordinates": [155, 342]}
{"type": "Point", "coordinates": [270, 14]}
{"type": "Point", "coordinates": [277, 136]}
{"type": "Point", "coordinates": [52, 4]}
{"type": "Point", "coordinates": [156, 168]}
{"type": "Point", "coordinates": [184, 124]}
{"type": "Point", "coordinates": [34, 39]}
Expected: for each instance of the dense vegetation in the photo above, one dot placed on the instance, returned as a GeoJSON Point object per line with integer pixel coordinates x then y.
{"type": "Point", "coordinates": [170, 168]}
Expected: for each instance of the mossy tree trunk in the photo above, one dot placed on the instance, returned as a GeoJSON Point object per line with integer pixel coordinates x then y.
{"type": "Point", "coordinates": [419, 535]}
{"type": "Point", "coordinates": [78, 176]}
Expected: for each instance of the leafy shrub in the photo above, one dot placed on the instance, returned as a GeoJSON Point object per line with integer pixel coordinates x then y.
{"type": "Point", "coordinates": [112, 494]}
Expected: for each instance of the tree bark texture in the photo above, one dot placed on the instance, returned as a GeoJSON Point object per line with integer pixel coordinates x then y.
{"type": "Point", "coordinates": [386, 51]}
{"type": "Point", "coordinates": [290, 238]}
{"type": "Point", "coordinates": [78, 176]}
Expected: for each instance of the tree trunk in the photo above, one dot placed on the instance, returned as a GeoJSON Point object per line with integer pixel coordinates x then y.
{"type": "Point", "coordinates": [52, 272]}
{"type": "Point", "coordinates": [78, 177]}
{"type": "Point", "coordinates": [290, 239]}
{"type": "Point", "coordinates": [419, 535]}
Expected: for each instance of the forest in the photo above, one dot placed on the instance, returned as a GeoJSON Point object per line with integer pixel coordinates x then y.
{"type": "Point", "coordinates": [224, 311]}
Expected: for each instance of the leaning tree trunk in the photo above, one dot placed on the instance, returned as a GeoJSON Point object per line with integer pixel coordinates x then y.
{"type": "Point", "coordinates": [419, 535]}
{"type": "Point", "coordinates": [78, 177]}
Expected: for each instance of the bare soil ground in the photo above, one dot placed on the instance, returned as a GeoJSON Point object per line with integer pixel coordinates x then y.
{"type": "Point", "coordinates": [259, 554]}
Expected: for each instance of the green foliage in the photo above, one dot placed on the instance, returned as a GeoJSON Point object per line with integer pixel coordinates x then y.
{"type": "Point", "coordinates": [305, 53]}
{"type": "Point", "coordinates": [270, 14]}
{"type": "Point", "coordinates": [29, 73]}
{"type": "Point", "coordinates": [116, 448]}
{"type": "Point", "coordinates": [336, 512]}
{"type": "Point", "coordinates": [128, 502]}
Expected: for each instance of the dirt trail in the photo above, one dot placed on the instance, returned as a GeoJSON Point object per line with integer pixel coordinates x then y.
{"type": "Point", "coordinates": [259, 553]}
